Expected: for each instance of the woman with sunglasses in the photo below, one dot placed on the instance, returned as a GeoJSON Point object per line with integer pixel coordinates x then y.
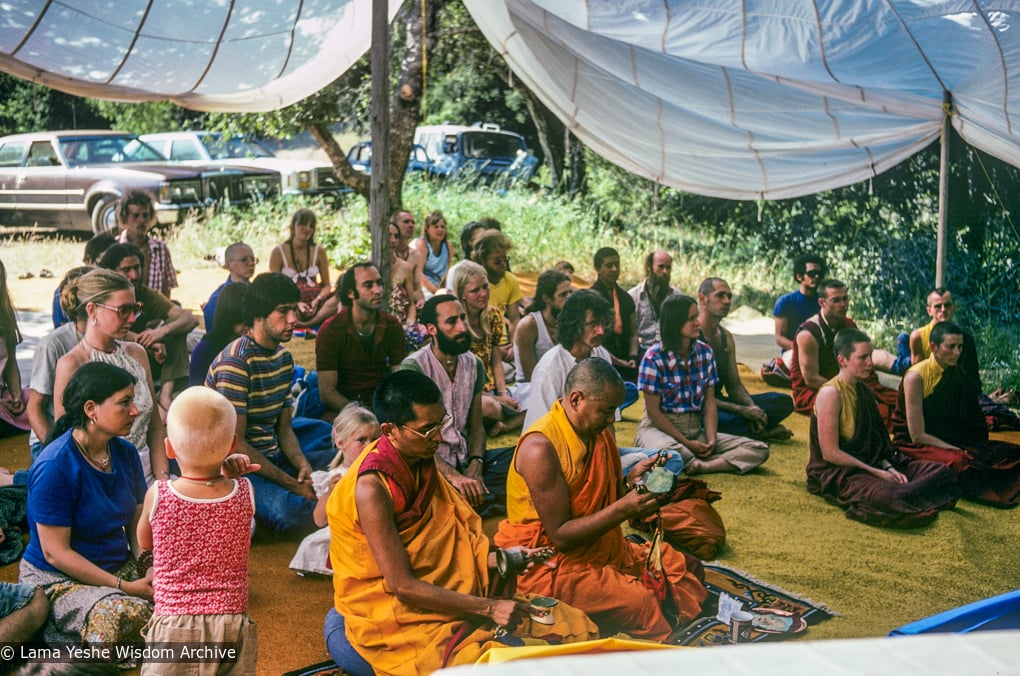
{"type": "Point", "coordinates": [108, 301]}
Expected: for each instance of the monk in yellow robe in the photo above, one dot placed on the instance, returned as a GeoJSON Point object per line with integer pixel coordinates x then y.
{"type": "Point", "coordinates": [410, 560]}
{"type": "Point", "coordinates": [565, 489]}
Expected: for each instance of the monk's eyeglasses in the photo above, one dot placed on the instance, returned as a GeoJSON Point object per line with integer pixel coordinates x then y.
{"type": "Point", "coordinates": [431, 431]}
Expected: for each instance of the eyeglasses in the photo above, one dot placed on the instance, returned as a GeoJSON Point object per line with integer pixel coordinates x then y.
{"type": "Point", "coordinates": [429, 432]}
{"type": "Point", "coordinates": [813, 274]}
{"type": "Point", "coordinates": [496, 260]}
{"type": "Point", "coordinates": [943, 306]}
{"type": "Point", "coordinates": [126, 310]}
{"type": "Point", "coordinates": [246, 259]}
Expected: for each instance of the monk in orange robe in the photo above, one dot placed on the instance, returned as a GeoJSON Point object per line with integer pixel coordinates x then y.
{"type": "Point", "coordinates": [565, 489]}
{"type": "Point", "coordinates": [410, 560]}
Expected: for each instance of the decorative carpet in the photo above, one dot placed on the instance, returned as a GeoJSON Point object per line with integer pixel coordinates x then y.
{"type": "Point", "coordinates": [777, 613]}
{"type": "Point", "coordinates": [327, 668]}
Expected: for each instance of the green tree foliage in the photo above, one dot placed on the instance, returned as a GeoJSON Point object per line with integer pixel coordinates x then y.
{"type": "Point", "coordinates": [146, 118]}
{"type": "Point", "coordinates": [26, 106]}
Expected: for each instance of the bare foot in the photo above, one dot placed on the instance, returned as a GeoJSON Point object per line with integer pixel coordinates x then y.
{"type": "Point", "coordinates": [694, 466]}
{"type": "Point", "coordinates": [496, 429]}
{"type": "Point", "coordinates": [778, 433]}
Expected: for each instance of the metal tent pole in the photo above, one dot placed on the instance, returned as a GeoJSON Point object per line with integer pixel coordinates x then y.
{"type": "Point", "coordinates": [940, 238]}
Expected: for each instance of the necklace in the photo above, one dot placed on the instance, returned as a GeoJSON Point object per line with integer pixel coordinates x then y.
{"type": "Point", "coordinates": [206, 480]}
{"type": "Point", "coordinates": [308, 259]}
{"type": "Point", "coordinates": [101, 464]}
{"type": "Point", "coordinates": [448, 363]}
{"type": "Point", "coordinates": [98, 349]}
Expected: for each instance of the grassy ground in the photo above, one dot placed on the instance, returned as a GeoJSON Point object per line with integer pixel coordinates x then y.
{"type": "Point", "coordinates": [876, 579]}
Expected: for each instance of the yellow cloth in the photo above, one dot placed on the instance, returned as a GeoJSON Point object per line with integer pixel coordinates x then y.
{"type": "Point", "coordinates": [604, 645]}
{"type": "Point", "coordinates": [446, 548]}
{"type": "Point", "coordinates": [601, 577]}
{"type": "Point", "coordinates": [930, 371]}
{"type": "Point", "coordinates": [925, 333]}
{"type": "Point", "coordinates": [847, 407]}
{"type": "Point", "coordinates": [505, 292]}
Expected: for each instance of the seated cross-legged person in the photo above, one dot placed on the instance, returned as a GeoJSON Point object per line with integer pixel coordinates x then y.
{"type": "Point", "coordinates": [411, 564]}
{"type": "Point", "coordinates": [255, 373]}
{"type": "Point", "coordinates": [460, 375]}
{"type": "Point", "coordinates": [358, 346]}
{"type": "Point", "coordinates": [678, 376]}
{"type": "Point", "coordinates": [794, 308]}
{"type": "Point", "coordinates": [939, 418]}
{"type": "Point", "coordinates": [538, 329]}
{"type": "Point", "coordinates": [566, 489]}
{"type": "Point", "coordinates": [240, 261]}
{"type": "Point", "coordinates": [740, 413]}
{"type": "Point", "coordinates": [853, 464]}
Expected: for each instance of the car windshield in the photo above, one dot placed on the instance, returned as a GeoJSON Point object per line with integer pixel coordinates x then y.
{"type": "Point", "coordinates": [480, 144]}
{"type": "Point", "coordinates": [92, 150]}
{"type": "Point", "coordinates": [233, 148]}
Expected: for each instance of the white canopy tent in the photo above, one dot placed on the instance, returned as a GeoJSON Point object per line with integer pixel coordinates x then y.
{"type": "Point", "coordinates": [743, 100]}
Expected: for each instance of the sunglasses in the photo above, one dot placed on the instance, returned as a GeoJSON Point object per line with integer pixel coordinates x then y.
{"type": "Point", "coordinates": [943, 306]}
{"type": "Point", "coordinates": [430, 431]}
{"type": "Point", "coordinates": [126, 310]}
{"type": "Point", "coordinates": [813, 274]}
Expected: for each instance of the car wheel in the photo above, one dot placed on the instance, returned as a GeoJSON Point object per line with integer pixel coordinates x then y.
{"type": "Point", "coordinates": [104, 215]}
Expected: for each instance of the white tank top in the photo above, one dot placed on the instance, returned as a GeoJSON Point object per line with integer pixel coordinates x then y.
{"type": "Point", "coordinates": [542, 345]}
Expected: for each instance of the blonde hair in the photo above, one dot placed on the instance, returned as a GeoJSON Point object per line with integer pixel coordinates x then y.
{"type": "Point", "coordinates": [462, 276]}
{"type": "Point", "coordinates": [200, 425]}
{"type": "Point", "coordinates": [97, 285]}
{"type": "Point", "coordinates": [352, 417]}
{"type": "Point", "coordinates": [69, 292]}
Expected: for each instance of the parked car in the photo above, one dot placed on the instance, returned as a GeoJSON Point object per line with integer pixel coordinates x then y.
{"type": "Point", "coordinates": [360, 157]}
{"type": "Point", "coordinates": [71, 180]}
{"type": "Point", "coordinates": [297, 177]}
{"type": "Point", "coordinates": [484, 151]}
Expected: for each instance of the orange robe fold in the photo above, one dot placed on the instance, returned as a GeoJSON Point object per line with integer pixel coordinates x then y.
{"type": "Point", "coordinates": [602, 577]}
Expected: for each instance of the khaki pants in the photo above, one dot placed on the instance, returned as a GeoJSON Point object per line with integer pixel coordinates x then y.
{"type": "Point", "coordinates": [741, 453]}
{"type": "Point", "coordinates": [196, 631]}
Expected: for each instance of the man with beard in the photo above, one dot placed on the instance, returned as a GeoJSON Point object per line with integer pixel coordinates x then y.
{"type": "Point", "coordinates": [255, 372]}
{"type": "Point", "coordinates": [621, 338]}
{"type": "Point", "coordinates": [648, 297]}
{"type": "Point", "coordinates": [358, 346]}
{"type": "Point", "coordinates": [460, 375]}
{"type": "Point", "coordinates": [538, 329]}
{"type": "Point", "coordinates": [939, 418]}
{"type": "Point", "coordinates": [742, 414]}
{"type": "Point", "coordinates": [814, 360]}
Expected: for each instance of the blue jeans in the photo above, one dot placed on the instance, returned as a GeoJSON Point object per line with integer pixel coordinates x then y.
{"type": "Point", "coordinates": [279, 508]}
{"type": "Point", "coordinates": [777, 407]}
{"type": "Point", "coordinates": [340, 649]}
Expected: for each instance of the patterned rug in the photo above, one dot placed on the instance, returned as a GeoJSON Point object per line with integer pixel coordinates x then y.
{"type": "Point", "coordinates": [778, 614]}
{"type": "Point", "coordinates": [326, 668]}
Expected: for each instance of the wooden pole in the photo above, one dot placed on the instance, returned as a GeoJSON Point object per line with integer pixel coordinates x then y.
{"type": "Point", "coordinates": [940, 237]}
{"type": "Point", "coordinates": [379, 201]}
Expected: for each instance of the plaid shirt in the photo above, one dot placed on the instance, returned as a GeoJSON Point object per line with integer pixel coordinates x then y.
{"type": "Point", "coordinates": [159, 273]}
{"type": "Point", "coordinates": [680, 383]}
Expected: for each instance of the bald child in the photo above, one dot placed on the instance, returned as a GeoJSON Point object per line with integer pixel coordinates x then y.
{"type": "Point", "coordinates": [198, 527]}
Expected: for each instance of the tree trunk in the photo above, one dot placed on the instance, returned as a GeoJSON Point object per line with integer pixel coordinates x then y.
{"type": "Point", "coordinates": [346, 173]}
{"type": "Point", "coordinates": [405, 113]}
{"type": "Point", "coordinates": [578, 164]}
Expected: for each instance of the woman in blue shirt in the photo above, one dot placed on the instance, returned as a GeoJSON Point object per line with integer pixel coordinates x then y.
{"type": "Point", "coordinates": [84, 499]}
